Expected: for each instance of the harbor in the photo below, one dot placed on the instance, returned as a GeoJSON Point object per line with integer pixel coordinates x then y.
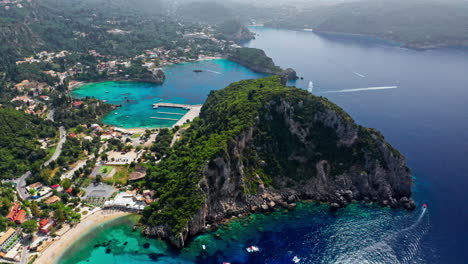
{"type": "Point", "coordinates": [193, 111]}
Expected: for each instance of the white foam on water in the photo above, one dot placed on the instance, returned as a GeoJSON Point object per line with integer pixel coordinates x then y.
{"type": "Point", "coordinates": [360, 75]}
{"type": "Point", "coordinates": [383, 252]}
{"type": "Point", "coordinates": [363, 89]}
{"type": "Point", "coordinates": [310, 87]}
{"type": "Point", "coordinates": [213, 71]}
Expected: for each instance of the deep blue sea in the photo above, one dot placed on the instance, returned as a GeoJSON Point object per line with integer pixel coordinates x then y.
{"type": "Point", "coordinates": [418, 99]}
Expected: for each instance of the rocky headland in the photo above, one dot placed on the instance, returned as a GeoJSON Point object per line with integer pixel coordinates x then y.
{"type": "Point", "coordinates": [258, 61]}
{"type": "Point", "coordinates": [259, 145]}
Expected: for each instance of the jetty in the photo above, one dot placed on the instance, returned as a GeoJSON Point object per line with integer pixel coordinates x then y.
{"type": "Point", "coordinates": [193, 111]}
{"type": "Point", "coordinates": [183, 106]}
{"type": "Point", "coordinates": [169, 113]}
{"type": "Point", "coordinates": [164, 118]}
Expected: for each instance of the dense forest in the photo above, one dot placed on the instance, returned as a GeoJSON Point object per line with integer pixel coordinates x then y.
{"type": "Point", "coordinates": [19, 147]}
{"type": "Point", "coordinates": [255, 59]}
{"type": "Point", "coordinates": [84, 25]}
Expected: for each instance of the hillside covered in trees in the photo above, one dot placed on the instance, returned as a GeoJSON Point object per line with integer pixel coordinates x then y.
{"type": "Point", "coordinates": [19, 147]}
{"type": "Point", "coordinates": [258, 142]}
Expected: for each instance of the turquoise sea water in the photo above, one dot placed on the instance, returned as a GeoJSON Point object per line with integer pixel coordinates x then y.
{"type": "Point", "coordinates": [182, 86]}
{"type": "Point", "coordinates": [310, 232]}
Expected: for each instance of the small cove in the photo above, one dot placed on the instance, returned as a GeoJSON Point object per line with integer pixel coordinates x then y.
{"type": "Point", "coordinates": [182, 86]}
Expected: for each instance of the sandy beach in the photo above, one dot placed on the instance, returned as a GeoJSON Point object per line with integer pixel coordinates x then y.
{"type": "Point", "coordinates": [51, 254]}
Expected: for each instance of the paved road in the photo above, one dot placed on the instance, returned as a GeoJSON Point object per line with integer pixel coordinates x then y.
{"type": "Point", "coordinates": [25, 253]}
{"type": "Point", "coordinates": [79, 164]}
{"type": "Point", "coordinates": [58, 150]}
{"type": "Point", "coordinates": [177, 135]}
{"type": "Point", "coordinates": [21, 186]}
{"type": "Point", "coordinates": [50, 115]}
{"type": "Point", "coordinates": [21, 181]}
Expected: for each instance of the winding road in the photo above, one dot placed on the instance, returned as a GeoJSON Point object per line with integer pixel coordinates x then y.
{"type": "Point", "coordinates": [21, 181]}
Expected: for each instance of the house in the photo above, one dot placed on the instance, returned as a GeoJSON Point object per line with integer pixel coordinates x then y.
{"type": "Point", "coordinates": [52, 199]}
{"type": "Point", "coordinates": [77, 103]}
{"type": "Point", "coordinates": [9, 239]}
{"type": "Point", "coordinates": [35, 186]}
{"type": "Point", "coordinates": [20, 217]}
{"type": "Point", "coordinates": [69, 190]}
{"type": "Point", "coordinates": [17, 214]}
{"type": "Point", "coordinates": [45, 225]}
{"type": "Point", "coordinates": [55, 186]}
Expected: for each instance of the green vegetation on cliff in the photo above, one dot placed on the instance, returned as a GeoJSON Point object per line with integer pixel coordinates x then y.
{"type": "Point", "coordinates": [19, 147]}
{"type": "Point", "coordinates": [255, 59]}
{"type": "Point", "coordinates": [225, 117]}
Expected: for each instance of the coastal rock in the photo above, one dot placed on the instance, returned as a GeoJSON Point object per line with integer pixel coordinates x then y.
{"type": "Point", "coordinates": [287, 75]}
{"type": "Point", "coordinates": [154, 76]}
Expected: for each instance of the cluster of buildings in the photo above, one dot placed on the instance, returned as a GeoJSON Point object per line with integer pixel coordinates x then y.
{"type": "Point", "coordinates": [130, 201]}
{"type": "Point", "coordinates": [31, 106]}
{"type": "Point", "coordinates": [44, 56]}
{"type": "Point", "coordinates": [10, 248]}
{"type": "Point", "coordinates": [39, 191]}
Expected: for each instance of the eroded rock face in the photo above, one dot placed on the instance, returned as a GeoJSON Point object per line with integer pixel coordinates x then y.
{"type": "Point", "coordinates": [231, 188]}
{"type": "Point", "coordinates": [288, 74]}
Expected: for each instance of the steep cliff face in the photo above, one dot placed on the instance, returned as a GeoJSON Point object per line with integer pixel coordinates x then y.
{"type": "Point", "coordinates": [285, 145]}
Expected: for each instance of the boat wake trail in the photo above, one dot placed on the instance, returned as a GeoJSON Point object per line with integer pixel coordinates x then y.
{"type": "Point", "coordinates": [406, 242]}
{"type": "Point", "coordinates": [215, 72]}
{"type": "Point", "coordinates": [363, 89]}
{"type": "Point", "coordinates": [360, 75]}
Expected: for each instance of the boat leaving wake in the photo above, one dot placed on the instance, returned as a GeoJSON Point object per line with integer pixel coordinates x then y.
{"type": "Point", "coordinates": [385, 251]}
{"type": "Point", "coordinates": [358, 74]}
{"type": "Point", "coordinates": [363, 89]}
{"type": "Point", "coordinates": [215, 72]}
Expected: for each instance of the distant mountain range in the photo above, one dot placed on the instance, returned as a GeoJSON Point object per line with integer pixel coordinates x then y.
{"type": "Point", "coordinates": [414, 23]}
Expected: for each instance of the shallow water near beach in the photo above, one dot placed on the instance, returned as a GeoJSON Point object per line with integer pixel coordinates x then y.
{"type": "Point", "coordinates": [310, 232]}
{"type": "Point", "coordinates": [182, 86]}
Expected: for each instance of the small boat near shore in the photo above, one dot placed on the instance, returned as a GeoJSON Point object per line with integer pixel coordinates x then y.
{"type": "Point", "coordinates": [197, 71]}
{"type": "Point", "coordinates": [296, 259]}
{"type": "Point", "coordinates": [310, 87]}
{"type": "Point", "coordinates": [252, 249]}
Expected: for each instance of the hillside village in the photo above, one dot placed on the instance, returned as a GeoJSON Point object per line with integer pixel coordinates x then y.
{"type": "Point", "coordinates": [92, 167]}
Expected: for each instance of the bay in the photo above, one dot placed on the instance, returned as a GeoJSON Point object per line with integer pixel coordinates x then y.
{"type": "Point", "coordinates": [424, 115]}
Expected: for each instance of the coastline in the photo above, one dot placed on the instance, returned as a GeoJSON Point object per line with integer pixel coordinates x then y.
{"type": "Point", "coordinates": [78, 84]}
{"type": "Point", "coordinates": [202, 58]}
{"type": "Point", "coordinates": [60, 245]}
{"type": "Point", "coordinates": [394, 41]}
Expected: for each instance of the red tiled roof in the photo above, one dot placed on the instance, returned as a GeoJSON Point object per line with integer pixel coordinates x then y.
{"type": "Point", "coordinates": [20, 217]}
{"type": "Point", "coordinates": [77, 103]}
{"type": "Point", "coordinates": [69, 190]}
{"type": "Point", "coordinates": [55, 186]}
{"type": "Point", "coordinates": [43, 222]}
{"type": "Point", "coordinates": [14, 210]}
{"type": "Point", "coordinates": [72, 135]}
